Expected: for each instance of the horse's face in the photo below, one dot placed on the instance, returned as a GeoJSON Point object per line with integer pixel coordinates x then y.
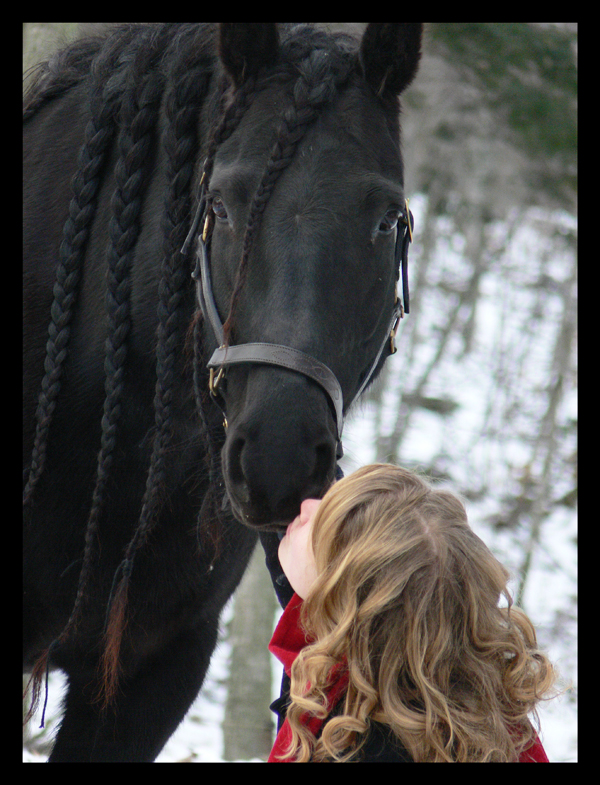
{"type": "Point", "coordinates": [321, 278]}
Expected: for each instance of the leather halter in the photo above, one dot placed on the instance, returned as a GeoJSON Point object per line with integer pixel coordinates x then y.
{"type": "Point", "coordinates": [286, 356]}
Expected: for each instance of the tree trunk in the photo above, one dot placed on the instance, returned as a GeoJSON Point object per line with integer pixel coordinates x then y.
{"type": "Point", "coordinates": [248, 723]}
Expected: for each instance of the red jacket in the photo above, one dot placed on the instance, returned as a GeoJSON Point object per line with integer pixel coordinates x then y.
{"type": "Point", "coordinates": [287, 642]}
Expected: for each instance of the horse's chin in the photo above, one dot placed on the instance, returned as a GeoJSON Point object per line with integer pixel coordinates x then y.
{"type": "Point", "coordinates": [258, 519]}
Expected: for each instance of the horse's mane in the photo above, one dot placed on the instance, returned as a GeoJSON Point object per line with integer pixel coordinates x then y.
{"type": "Point", "coordinates": [134, 76]}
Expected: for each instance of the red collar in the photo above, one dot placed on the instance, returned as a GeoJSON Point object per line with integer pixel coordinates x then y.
{"type": "Point", "coordinates": [287, 642]}
{"type": "Point", "coordinates": [535, 754]}
{"type": "Point", "coordinates": [289, 639]}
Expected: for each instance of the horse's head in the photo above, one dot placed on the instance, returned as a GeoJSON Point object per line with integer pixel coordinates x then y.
{"type": "Point", "coordinates": [305, 202]}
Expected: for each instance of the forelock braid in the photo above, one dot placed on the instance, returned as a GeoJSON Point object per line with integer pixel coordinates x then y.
{"type": "Point", "coordinates": [321, 74]}
{"type": "Point", "coordinates": [233, 105]}
{"type": "Point", "coordinates": [232, 110]}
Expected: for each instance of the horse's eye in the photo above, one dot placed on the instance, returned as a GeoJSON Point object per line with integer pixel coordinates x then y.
{"type": "Point", "coordinates": [390, 221]}
{"type": "Point", "coordinates": [219, 208]}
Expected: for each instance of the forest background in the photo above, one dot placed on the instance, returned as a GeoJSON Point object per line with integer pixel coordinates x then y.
{"type": "Point", "coordinates": [481, 395]}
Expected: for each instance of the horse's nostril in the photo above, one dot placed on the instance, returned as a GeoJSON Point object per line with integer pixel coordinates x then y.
{"type": "Point", "coordinates": [235, 467]}
{"type": "Point", "coordinates": [323, 461]}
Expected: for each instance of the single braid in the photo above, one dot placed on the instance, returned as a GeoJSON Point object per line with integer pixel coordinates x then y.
{"type": "Point", "coordinates": [231, 115]}
{"type": "Point", "coordinates": [209, 515]}
{"type": "Point", "coordinates": [318, 83]}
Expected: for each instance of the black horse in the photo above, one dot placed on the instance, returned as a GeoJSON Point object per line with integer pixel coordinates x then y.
{"type": "Point", "coordinates": [141, 510]}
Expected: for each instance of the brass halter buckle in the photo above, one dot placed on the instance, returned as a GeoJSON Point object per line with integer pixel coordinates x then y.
{"type": "Point", "coordinates": [410, 234]}
{"type": "Point", "coordinates": [213, 384]}
{"type": "Point", "coordinates": [394, 330]}
{"type": "Point", "coordinates": [214, 379]}
{"type": "Point", "coordinates": [206, 229]}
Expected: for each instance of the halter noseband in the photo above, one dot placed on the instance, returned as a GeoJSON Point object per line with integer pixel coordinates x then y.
{"type": "Point", "coordinates": [286, 356]}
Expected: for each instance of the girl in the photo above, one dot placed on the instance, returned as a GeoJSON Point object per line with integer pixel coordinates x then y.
{"type": "Point", "coordinates": [396, 645]}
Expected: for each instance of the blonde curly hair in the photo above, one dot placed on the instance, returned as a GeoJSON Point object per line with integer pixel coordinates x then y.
{"type": "Point", "coordinates": [408, 596]}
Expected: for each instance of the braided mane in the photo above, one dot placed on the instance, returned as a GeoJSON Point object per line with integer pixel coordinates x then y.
{"type": "Point", "coordinates": [150, 85]}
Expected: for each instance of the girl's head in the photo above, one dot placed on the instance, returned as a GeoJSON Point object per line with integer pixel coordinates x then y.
{"type": "Point", "coordinates": [397, 564]}
{"type": "Point", "coordinates": [376, 528]}
{"type": "Point", "coordinates": [408, 595]}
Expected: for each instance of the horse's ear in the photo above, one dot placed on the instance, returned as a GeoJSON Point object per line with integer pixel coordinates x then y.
{"type": "Point", "coordinates": [245, 47]}
{"type": "Point", "coordinates": [389, 55]}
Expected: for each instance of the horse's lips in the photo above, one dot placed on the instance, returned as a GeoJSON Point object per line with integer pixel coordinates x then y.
{"type": "Point", "coordinates": [254, 519]}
